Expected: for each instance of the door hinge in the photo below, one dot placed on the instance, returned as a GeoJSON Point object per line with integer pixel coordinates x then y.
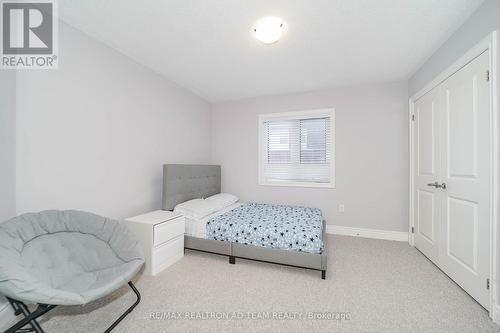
{"type": "Point", "coordinates": [412, 230]}
{"type": "Point", "coordinates": [488, 76]}
{"type": "Point", "coordinates": [413, 117]}
{"type": "Point", "coordinates": [487, 284]}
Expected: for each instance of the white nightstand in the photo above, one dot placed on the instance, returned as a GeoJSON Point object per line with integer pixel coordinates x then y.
{"type": "Point", "coordinates": [162, 236]}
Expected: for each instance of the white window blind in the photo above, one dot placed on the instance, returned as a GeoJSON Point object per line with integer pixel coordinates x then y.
{"type": "Point", "coordinates": [296, 149]}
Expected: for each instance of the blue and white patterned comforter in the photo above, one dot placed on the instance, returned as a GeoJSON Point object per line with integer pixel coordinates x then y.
{"type": "Point", "coordinates": [276, 226]}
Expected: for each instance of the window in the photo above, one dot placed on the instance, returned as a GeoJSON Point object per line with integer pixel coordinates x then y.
{"type": "Point", "coordinates": [297, 148]}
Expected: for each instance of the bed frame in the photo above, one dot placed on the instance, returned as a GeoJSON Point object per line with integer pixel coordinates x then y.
{"type": "Point", "coordinates": [182, 182]}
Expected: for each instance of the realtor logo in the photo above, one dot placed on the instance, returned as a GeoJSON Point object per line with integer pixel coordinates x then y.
{"type": "Point", "coordinates": [29, 35]}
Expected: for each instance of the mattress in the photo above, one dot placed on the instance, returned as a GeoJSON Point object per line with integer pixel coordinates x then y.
{"type": "Point", "coordinates": [283, 227]}
{"type": "Point", "coordinates": [198, 227]}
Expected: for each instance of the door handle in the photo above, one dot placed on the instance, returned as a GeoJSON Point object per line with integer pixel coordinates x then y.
{"type": "Point", "coordinates": [437, 185]}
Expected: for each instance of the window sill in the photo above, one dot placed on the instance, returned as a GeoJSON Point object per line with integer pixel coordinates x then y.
{"type": "Point", "coordinates": [296, 184]}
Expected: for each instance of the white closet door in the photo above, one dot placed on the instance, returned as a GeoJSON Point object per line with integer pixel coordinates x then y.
{"type": "Point", "coordinates": [427, 171]}
{"type": "Point", "coordinates": [465, 204]}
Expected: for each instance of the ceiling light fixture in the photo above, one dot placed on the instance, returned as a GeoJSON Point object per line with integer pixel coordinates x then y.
{"type": "Point", "coordinates": [269, 29]}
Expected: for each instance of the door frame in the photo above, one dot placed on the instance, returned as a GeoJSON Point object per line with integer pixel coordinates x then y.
{"type": "Point", "coordinates": [489, 44]}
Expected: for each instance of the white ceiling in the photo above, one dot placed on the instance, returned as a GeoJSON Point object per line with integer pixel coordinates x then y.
{"type": "Point", "coordinates": [207, 45]}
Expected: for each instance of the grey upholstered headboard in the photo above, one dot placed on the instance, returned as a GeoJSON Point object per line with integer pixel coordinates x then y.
{"type": "Point", "coordinates": [183, 182]}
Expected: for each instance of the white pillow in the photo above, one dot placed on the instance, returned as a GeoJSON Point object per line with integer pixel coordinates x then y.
{"type": "Point", "coordinates": [221, 200]}
{"type": "Point", "coordinates": [195, 209]}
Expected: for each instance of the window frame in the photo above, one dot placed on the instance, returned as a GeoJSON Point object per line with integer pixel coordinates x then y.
{"type": "Point", "coordinates": [296, 115]}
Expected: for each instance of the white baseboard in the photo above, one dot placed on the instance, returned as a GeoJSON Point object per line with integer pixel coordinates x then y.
{"type": "Point", "coordinates": [399, 236]}
{"type": "Point", "coordinates": [7, 316]}
{"type": "Point", "coordinates": [495, 314]}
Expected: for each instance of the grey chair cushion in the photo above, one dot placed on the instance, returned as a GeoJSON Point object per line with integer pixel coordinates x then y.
{"type": "Point", "coordinates": [65, 257]}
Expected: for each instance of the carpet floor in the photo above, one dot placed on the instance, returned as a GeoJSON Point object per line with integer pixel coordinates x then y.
{"type": "Point", "coordinates": [371, 286]}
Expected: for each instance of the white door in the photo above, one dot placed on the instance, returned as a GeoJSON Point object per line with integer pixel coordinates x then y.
{"type": "Point", "coordinates": [465, 205]}
{"type": "Point", "coordinates": [427, 171]}
{"type": "Point", "coordinates": [452, 177]}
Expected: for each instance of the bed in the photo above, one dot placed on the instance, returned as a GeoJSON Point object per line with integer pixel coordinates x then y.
{"type": "Point", "coordinates": [279, 234]}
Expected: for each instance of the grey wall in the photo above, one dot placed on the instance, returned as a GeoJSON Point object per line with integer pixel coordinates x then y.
{"type": "Point", "coordinates": [485, 20]}
{"type": "Point", "coordinates": [371, 154]}
{"type": "Point", "coordinates": [94, 134]}
{"type": "Point", "coordinates": [7, 161]}
{"type": "Point", "coordinates": [7, 144]}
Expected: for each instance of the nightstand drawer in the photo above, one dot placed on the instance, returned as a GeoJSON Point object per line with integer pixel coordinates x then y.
{"type": "Point", "coordinates": [167, 254]}
{"type": "Point", "coordinates": [168, 230]}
